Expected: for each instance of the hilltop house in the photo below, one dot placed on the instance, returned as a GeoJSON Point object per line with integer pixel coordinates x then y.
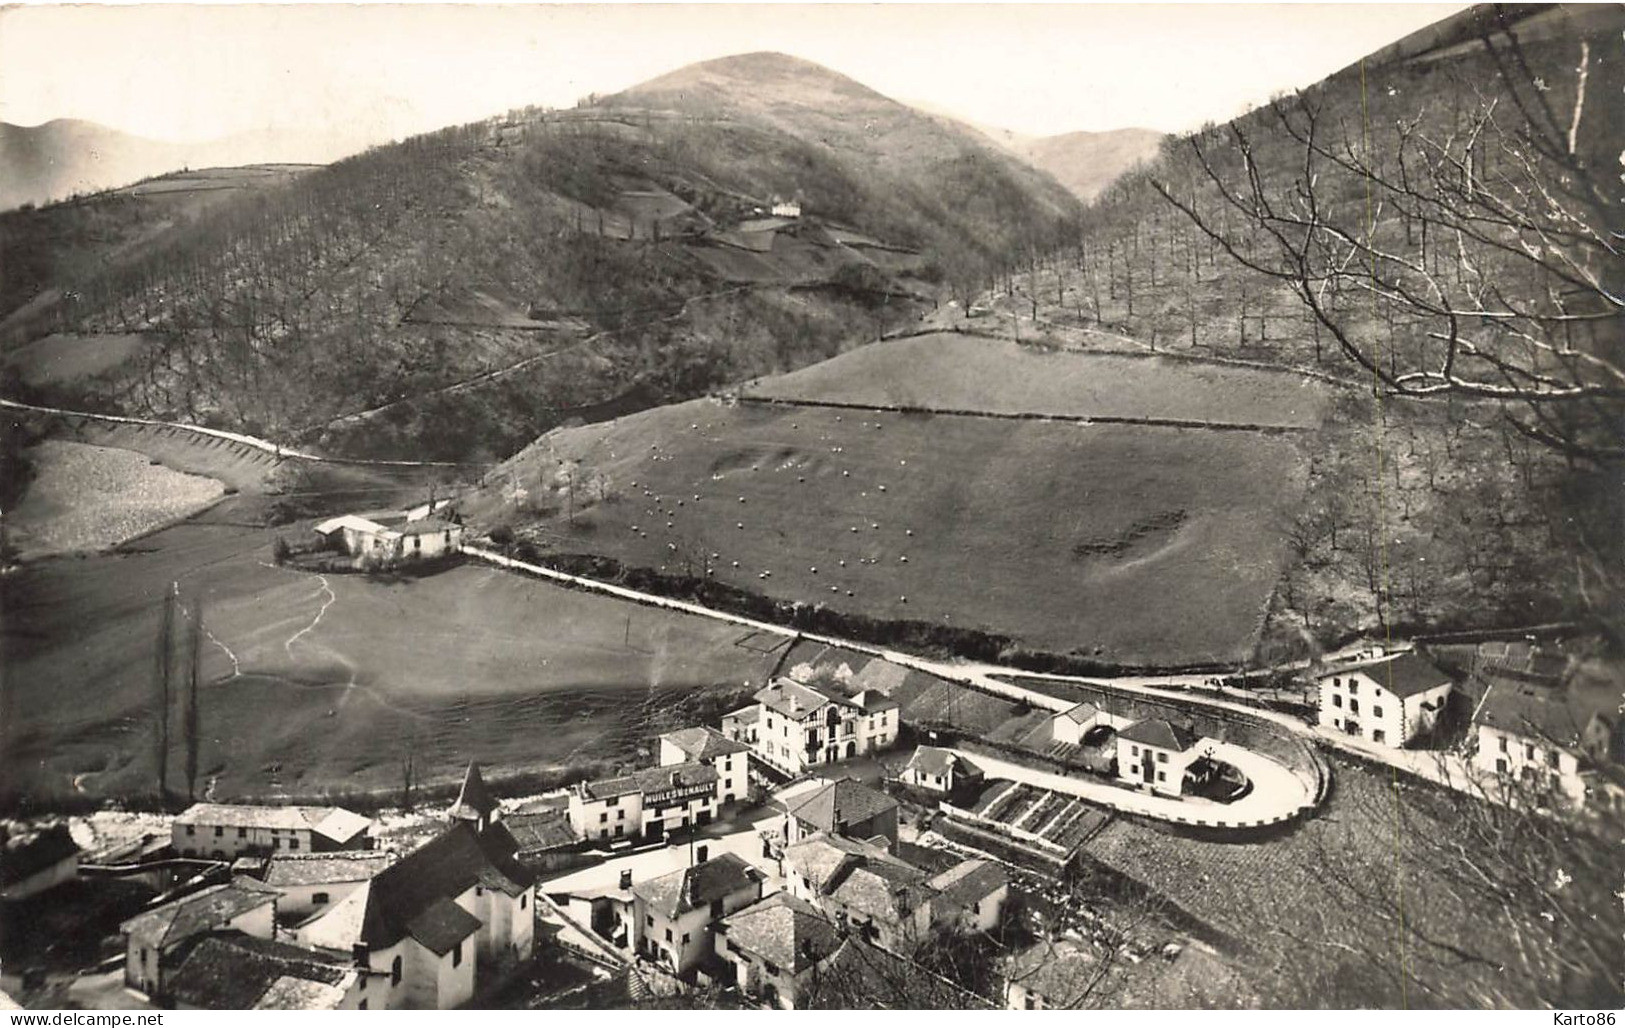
{"type": "Point", "coordinates": [430, 925]}
{"type": "Point", "coordinates": [845, 807]}
{"type": "Point", "coordinates": [232, 971]}
{"type": "Point", "coordinates": [153, 939]}
{"type": "Point", "coordinates": [939, 770]}
{"type": "Point", "coordinates": [225, 831]}
{"type": "Point", "coordinates": [307, 883]}
{"type": "Point", "coordinates": [798, 726]}
{"type": "Point", "coordinates": [728, 757]}
{"type": "Point", "coordinates": [35, 861]}
{"type": "Point", "coordinates": [1156, 753]}
{"type": "Point", "coordinates": [645, 804]}
{"type": "Point", "coordinates": [775, 947]}
{"type": "Point", "coordinates": [673, 914]}
{"type": "Point", "coordinates": [1391, 700]}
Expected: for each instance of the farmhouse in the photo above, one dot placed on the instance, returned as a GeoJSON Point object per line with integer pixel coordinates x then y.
{"type": "Point", "coordinates": [939, 770]}
{"type": "Point", "coordinates": [371, 540]}
{"type": "Point", "coordinates": [801, 726]}
{"type": "Point", "coordinates": [1559, 736]}
{"type": "Point", "coordinates": [709, 747]}
{"type": "Point", "coordinates": [673, 914]}
{"type": "Point", "coordinates": [308, 882]}
{"type": "Point", "coordinates": [232, 971]}
{"type": "Point", "coordinates": [1391, 700]}
{"type": "Point", "coordinates": [775, 947]}
{"type": "Point", "coordinates": [35, 861]}
{"type": "Point", "coordinates": [645, 804]}
{"type": "Point", "coordinates": [456, 908]}
{"type": "Point", "coordinates": [1156, 752]}
{"type": "Point", "coordinates": [225, 831]}
{"type": "Point", "coordinates": [845, 807]}
{"type": "Point", "coordinates": [153, 938]}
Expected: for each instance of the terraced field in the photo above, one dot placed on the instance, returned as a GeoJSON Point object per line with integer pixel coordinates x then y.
{"type": "Point", "coordinates": [1063, 821]}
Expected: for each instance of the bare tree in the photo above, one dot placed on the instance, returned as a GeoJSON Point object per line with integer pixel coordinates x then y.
{"type": "Point", "coordinates": [1517, 293]}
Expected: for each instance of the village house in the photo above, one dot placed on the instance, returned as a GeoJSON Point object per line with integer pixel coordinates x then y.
{"type": "Point", "coordinates": [775, 947]}
{"type": "Point", "coordinates": [1390, 701]}
{"type": "Point", "coordinates": [36, 860]}
{"type": "Point", "coordinates": [844, 807]}
{"type": "Point", "coordinates": [710, 747]}
{"type": "Point", "coordinates": [740, 725]}
{"type": "Point", "coordinates": [430, 927]}
{"type": "Point", "coordinates": [786, 208]}
{"type": "Point", "coordinates": [1156, 753]}
{"type": "Point", "coordinates": [153, 939]}
{"type": "Point", "coordinates": [674, 913]}
{"type": "Point", "coordinates": [970, 896]}
{"type": "Point", "coordinates": [232, 971]}
{"type": "Point", "coordinates": [1050, 976]}
{"type": "Point", "coordinates": [1531, 734]}
{"type": "Point", "coordinates": [938, 770]}
{"type": "Point", "coordinates": [861, 886]}
{"type": "Point", "coordinates": [222, 831]}
{"type": "Point", "coordinates": [800, 726]}
{"type": "Point", "coordinates": [1072, 725]}
{"type": "Point", "coordinates": [546, 840]}
{"type": "Point", "coordinates": [644, 805]}
{"type": "Point", "coordinates": [310, 882]}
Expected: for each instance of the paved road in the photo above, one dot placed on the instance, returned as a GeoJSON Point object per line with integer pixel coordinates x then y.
{"type": "Point", "coordinates": [1277, 794]}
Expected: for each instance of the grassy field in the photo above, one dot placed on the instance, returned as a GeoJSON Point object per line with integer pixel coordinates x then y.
{"type": "Point", "coordinates": [314, 684]}
{"type": "Point", "coordinates": [1135, 544]}
{"type": "Point", "coordinates": [86, 498]}
{"type": "Point", "coordinates": [972, 373]}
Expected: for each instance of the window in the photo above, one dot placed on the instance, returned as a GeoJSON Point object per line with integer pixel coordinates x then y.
{"type": "Point", "coordinates": [522, 898]}
{"type": "Point", "coordinates": [293, 844]}
{"type": "Point", "coordinates": [318, 898]}
{"type": "Point", "coordinates": [603, 817]}
{"type": "Point", "coordinates": [716, 912]}
{"type": "Point", "coordinates": [1337, 700]}
{"type": "Point", "coordinates": [457, 955]}
{"type": "Point", "coordinates": [242, 833]}
{"type": "Point", "coordinates": [1551, 758]}
{"type": "Point", "coordinates": [1354, 686]}
{"type": "Point", "coordinates": [770, 967]}
{"type": "Point", "coordinates": [1379, 736]}
{"type": "Point", "coordinates": [417, 542]}
{"type": "Point", "coordinates": [218, 832]}
{"type": "Point", "coordinates": [1503, 741]}
{"type": "Point", "coordinates": [1162, 776]}
{"type": "Point", "coordinates": [361, 984]}
{"type": "Point", "coordinates": [1529, 751]}
{"type": "Point", "coordinates": [191, 829]}
{"type": "Point", "coordinates": [651, 920]}
{"type": "Point", "coordinates": [1134, 751]}
{"type": "Point", "coordinates": [668, 934]}
{"type": "Point", "coordinates": [363, 1004]}
{"type": "Point", "coordinates": [1162, 758]}
{"type": "Point", "coordinates": [685, 938]}
{"type": "Point", "coordinates": [395, 972]}
{"type": "Point", "coordinates": [1354, 706]}
{"type": "Point", "coordinates": [1376, 712]}
{"type": "Point", "coordinates": [479, 890]}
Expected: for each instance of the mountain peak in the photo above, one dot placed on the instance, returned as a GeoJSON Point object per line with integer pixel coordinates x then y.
{"type": "Point", "coordinates": [763, 74]}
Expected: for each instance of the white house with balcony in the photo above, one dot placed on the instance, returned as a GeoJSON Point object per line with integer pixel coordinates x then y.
{"type": "Point", "coordinates": [1390, 701]}
{"type": "Point", "coordinates": [795, 726]}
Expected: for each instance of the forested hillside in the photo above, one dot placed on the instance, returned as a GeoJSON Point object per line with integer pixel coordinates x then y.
{"type": "Point", "coordinates": [454, 295]}
{"type": "Point", "coordinates": [1436, 228]}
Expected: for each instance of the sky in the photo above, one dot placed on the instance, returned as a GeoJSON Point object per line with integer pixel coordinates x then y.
{"type": "Point", "coordinates": [378, 71]}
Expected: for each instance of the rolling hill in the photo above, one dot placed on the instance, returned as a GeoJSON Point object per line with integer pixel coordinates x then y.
{"type": "Point", "coordinates": [1088, 162]}
{"type": "Point", "coordinates": [456, 294]}
{"type": "Point", "coordinates": [71, 157]}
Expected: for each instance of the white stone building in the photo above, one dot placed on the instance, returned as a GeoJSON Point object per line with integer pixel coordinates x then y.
{"type": "Point", "coordinates": [1389, 701]}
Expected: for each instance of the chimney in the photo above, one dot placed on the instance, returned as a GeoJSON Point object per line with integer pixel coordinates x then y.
{"type": "Point", "coordinates": [362, 957]}
{"type": "Point", "coordinates": [626, 878]}
{"type": "Point", "coordinates": [676, 778]}
{"type": "Point", "coordinates": [700, 854]}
